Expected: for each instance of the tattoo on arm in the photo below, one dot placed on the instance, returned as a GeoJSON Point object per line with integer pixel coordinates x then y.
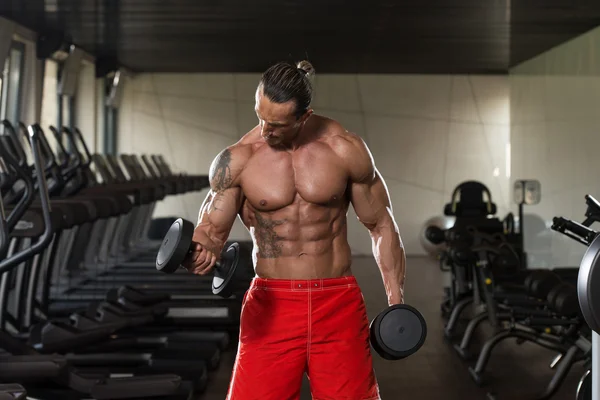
{"type": "Point", "coordinates": [268, 240]}
{"type": "Point", "coordinates": [221, 171]}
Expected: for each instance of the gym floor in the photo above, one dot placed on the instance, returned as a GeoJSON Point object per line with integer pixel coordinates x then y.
{"type": "Point", "coordinates": [514, 372]}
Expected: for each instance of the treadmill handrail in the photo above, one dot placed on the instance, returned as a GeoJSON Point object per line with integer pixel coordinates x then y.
{"type": "Point", "coordinates": [44, 146]}
{"type": "Point", "coordinates": [13, 261]}
{"type": "Point", "coordinates": [85, 147]}
{"type": "Point", "coordinates": [61, 152]}
{"type": "Point", "coordinates": [16, 143]}
{"type": "Point", "coordinates": [27, 192]}
{"type": "Point", "coordinates": [75, 153]}
{"type": "Point", "coordinates": [3, 231]}
{"type": "Point", "coordinates": [72, 160]}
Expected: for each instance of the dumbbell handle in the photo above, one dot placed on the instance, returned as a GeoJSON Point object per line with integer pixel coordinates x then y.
{"type": "Point", "coordinates": [191, 250]}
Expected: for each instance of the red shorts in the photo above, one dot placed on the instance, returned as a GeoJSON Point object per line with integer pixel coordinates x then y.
{"type": "Point", "coordinates": [289, 327]}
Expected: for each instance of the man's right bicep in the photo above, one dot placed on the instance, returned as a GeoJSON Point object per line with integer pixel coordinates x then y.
{"type": "Point", "coordinates": [217, 216]}
{"type": "Point", "coordinates": [220, 208]}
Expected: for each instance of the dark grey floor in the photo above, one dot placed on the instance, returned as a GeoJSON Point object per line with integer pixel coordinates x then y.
{"type": "Point", "coordinates": [436, 372]}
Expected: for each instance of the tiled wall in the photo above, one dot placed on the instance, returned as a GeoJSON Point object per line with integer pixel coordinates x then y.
{"type": "Point", "coordinates": [555, 137]}
{"type": "Point", "coordinates": [427, 133]}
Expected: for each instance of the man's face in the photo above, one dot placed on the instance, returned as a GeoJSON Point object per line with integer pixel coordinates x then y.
{"type": "Point", "coordinates": [278, 122]}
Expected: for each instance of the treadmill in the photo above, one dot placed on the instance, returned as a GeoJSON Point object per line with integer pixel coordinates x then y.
{"type": "Point", "coordinates": [85, 330]}
{"type": "Point", "coordinates": [23, 364]}
{"type": "Point", "coordinates": [9, 391]}
{"type": "Point", "coordinates": [59, 337]}
{"type": "Point", "coordinates": [193, 315]}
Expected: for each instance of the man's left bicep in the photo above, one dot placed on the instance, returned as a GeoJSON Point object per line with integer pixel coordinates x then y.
{"type": "Point", "coordinates": [371, 201]}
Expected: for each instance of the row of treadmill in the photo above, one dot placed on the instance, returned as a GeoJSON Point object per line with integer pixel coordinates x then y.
{"type": "Point", "coordinates": [83, 312]}
{"type": "Point", "coordinates": [489, 283]}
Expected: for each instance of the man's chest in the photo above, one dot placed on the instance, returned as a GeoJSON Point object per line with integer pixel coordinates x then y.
{"type": "Point", "coordinates": [272, 180]}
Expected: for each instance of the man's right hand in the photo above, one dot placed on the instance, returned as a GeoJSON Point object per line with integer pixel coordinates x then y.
{"type": "Point", "coordinates": [199, 260]}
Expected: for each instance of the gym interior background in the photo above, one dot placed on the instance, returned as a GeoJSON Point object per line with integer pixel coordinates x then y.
{"type": "Point", "coordinates": [442, 93]}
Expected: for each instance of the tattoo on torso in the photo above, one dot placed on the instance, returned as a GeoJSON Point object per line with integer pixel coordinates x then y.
{"type": "Point", "coordinates": [267, 238]}
{"type": "Point", "coordinates": [268, 241]}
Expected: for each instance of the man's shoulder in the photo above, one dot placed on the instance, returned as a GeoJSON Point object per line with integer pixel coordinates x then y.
{"type": "Point", "coordinates": [229, 164]}
{"type": "Point", "coordinates": [247, 145]}
{"type": "Point", "coordinates": [343, 141]}
{"type": "Point", "coordinates": [349, 147]}
{"type": "Point", "coordinates": [242, 150]}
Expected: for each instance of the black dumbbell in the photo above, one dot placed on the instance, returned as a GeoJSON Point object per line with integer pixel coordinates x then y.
{"type": "Point", "coordinates": [232, 274]}
{"type": "Point", "coordinates": [397, 332]}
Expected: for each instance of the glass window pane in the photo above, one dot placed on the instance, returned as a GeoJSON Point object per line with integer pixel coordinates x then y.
{"type": "Point", "coordinates": [49, 104]}
{"type": "Point", "coordinates": [49, 101]}
{"type": "Point", "coordinates": [3, 104]}
{"type": "Point", "coordinates": [1, 92]}
{"type": "Point", "coordinates": [15, 72]}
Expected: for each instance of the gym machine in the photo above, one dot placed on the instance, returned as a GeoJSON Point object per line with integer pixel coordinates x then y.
{"type": "Point", "coordinates": [588, 282]}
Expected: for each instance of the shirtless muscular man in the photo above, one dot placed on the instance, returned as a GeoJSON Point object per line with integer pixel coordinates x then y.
{"type": "Point", "coordinates": [291, 180]}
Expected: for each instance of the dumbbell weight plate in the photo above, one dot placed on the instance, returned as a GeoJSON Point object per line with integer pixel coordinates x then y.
{"type": "Point", "coordinates": [175, 246]}
{"type": "Point", "coordinates": [555, 292]}
{"type": "Point", "coordinates": [232, 274]}
{"type": "Point", "coordinates": [398, 331]}
{"type": "Point", "coordinates": [222, 284]}
{"type": "Point", "coordinates": [540, 283]}
{"type": "Point", "coordinates": [564, 300]}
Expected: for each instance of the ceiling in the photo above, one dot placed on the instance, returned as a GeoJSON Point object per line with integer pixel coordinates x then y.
{"type": "Point", "coordinates": [376, 36]}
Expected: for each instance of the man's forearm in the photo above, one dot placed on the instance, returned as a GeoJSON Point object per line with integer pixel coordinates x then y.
{"type": "Point", "coordinates": [207, 233]}
{"type": "Point", "coordinates": [391, 259]}
{"type": "Point", "coordinates": [208, 239]}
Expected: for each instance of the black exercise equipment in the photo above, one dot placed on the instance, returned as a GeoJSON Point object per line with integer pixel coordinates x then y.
{"type": "Point", "coordinates": [12, 391]}
{"type": "Point", "coordinates": [587, 281]}
{"type": "Point", "coordinates": [113, 231]}
{"type": "Point", "coordinates": [474, 211]}
{"type": "Point", "coordinates": [584, 388]}
{"type": "Point", "coordinates": [398, 331]}
{"type": "Point", "coordinates": [231, 273]}
{"type": "Point", "coordinates": [536, 306]}
{"type": "Point", "coordinates": [471, 199]}
{"type": "Point", "coordinates": [556, 309]}
{"type": "Point", "coordinates": [22, 363]}
{"type": "Point", "coordinates": [587, 285]}
{"type": "Point", "coordinates": [7, 391]}
{"type": "Point", "coordinates": [435, 234]}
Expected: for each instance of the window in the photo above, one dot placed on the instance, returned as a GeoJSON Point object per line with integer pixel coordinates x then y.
{"type": "Point", "coordinates": [49, 103]}
{"type": "Point", "coordinates": [85, 105]}
{"type": "Point", "coordinates": [111, 117]}
{"type": "Point", "coordinates": [51, 115]}
{"type": "Point", "coordinates": [2, 96]}
{"type": "Point", "coordinates": [10, 104]}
